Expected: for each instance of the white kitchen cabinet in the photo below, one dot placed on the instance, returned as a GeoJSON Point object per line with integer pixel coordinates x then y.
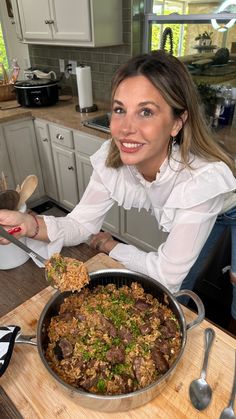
{"type": "Point", "coordinates": [85, 146]}
{"type": "Point", "coordinates": [140, 228]}
{"type": "Point", "coordinates": [5, 165]}
{"type": "Point", "coordinates": [72, 22]}
{"type": "Point", "coordinates": [65, 165]}
{"type": "Point", "coordinates": [23, 153]}
{"type": "Point", "coordinates": [46, 158]}
{"type": "Point", "coordinates": [17, 20]}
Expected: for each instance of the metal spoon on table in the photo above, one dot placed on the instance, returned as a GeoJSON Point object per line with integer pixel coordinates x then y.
{"type": "Point", "coordinates": [200, 392]}
{"type": "Point", "coordinates": [228, 412]}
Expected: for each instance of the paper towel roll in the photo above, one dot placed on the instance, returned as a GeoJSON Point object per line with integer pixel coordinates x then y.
{"type": "Point", "coordinates": [84, 85]}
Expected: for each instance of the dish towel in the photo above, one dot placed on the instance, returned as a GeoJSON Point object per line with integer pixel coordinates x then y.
{"type": "Point", "coordinates": [8, 335]}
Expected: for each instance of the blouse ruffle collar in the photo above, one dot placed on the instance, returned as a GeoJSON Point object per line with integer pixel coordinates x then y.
{"type": "Point", "coordinates": [174, 187]}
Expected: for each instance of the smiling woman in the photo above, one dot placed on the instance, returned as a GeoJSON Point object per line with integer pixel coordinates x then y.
{"type": "Point", "coordinates": [161, 158]}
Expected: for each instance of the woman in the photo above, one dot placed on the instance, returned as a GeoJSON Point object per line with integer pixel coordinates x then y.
{"type": "Point", "coordinates": [161, 158]}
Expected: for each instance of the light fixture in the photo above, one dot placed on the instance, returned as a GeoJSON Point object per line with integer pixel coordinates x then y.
{"type": "Point", "coordinates": [224, 26]}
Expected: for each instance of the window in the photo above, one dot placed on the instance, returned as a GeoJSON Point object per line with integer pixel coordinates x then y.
{"type": "Point", "coordinates": [187, 21]}
{"type": "Point", "coordinates": [3, 53]}
{"type": "Point", "coordinates": [157, 30]}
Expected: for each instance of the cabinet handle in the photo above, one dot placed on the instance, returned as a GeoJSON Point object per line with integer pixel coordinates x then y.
{"type": "Point", "coordinates": [59, 137]}
{"type": "Point", "coordinates": [70, 168]}
{"type": "Point", "coordinates": [48, 21]}
{"type": "Point", "coordinates": [45, 139]}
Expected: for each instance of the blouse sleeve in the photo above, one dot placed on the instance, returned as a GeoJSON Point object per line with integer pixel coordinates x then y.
{"type": "Point", "coordinates": [172, 261]}
{"type": "Point", "coordinates": [83, 221]}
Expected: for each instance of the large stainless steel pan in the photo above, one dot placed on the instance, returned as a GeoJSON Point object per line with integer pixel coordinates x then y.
{"type": "Point", "coordinates": [120, 277]}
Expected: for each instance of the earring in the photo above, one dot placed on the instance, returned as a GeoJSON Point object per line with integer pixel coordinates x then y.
{"type": "Point", "coordinates": [172, 140]}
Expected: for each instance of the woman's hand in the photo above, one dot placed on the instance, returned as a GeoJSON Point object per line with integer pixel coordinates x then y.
{"type": "Point", "coordinates": [103, 242]}
{"type": "Point", "coordinates": [17, 223]}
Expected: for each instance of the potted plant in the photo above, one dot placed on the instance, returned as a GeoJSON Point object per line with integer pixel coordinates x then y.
{"type": "Point", "coordinates": [211, 100]}
{"type": "Point", "coordinates": [199, 39]}
{"type": "Point", "coordinates": [204, 38]}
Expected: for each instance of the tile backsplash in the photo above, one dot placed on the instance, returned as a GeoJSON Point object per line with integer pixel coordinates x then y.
{"type": "Point", "coordinates": [103, 61]}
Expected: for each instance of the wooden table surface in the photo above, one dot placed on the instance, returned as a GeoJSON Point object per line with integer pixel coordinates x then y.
{"type": "Point", "coordinates": [31, 392]}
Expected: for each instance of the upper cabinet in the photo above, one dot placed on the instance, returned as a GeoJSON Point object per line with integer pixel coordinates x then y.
{"type": "Point", "coordinates": [72, 22]}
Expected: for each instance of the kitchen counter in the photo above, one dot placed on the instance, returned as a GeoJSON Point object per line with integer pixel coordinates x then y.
{"type": "Point", "coordinates": [63, 113]}
{"type": "Point", "coordinates": [29, 391]}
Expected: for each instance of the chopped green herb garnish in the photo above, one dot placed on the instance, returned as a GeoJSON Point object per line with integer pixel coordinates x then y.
{"type": "Point", "coordinates": [86, 356]}
{"type": "Point", "coordinates": [101, 385]}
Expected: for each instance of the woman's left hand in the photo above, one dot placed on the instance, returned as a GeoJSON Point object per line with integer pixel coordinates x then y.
{"type": "Point", "coordinates": [103, 242]}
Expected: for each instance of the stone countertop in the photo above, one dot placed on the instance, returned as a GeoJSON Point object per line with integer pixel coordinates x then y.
{"type": "Point", "coordinates": [63, 113]}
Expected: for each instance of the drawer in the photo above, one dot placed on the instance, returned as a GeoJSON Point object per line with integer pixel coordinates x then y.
{"type": "Point", "coordinates": [87, 144]}
{"type": "Point", "coordinates": [61, 135]}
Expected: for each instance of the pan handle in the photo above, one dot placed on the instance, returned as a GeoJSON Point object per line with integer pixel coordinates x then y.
{"type": "Point", "coordinates": [28, 339]}
{"type": "Point", "coordinates": [199, 304]}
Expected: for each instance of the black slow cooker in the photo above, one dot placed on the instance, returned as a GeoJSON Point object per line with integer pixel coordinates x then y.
{"type": "Point", "coordinates": [37, 92]}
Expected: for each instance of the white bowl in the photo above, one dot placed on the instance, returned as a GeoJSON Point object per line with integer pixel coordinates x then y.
{"type": "Point", "coordinates": [12, 256]}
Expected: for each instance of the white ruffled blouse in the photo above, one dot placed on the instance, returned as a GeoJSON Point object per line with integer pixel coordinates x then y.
{"type": "Point", "coordinates": [184, 201]}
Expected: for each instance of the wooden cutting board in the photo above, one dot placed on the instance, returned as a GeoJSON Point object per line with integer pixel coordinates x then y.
{"type": "Point", "coordinates": [36, 394]}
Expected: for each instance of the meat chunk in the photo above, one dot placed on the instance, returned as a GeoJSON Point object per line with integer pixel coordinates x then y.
{"type": "Point", "coordinates": [163, 346]}
{"type": "Point", "coordinates": [88, 382]}
{"type": "Point", "coordinates": [108, 326]}
{"type": "Point", "coordinates": [116, 355]}
{"type": "Point", "coordinates": [159, 360]}
{"type": "Point", "coordinates": [145, 328]}
{"type": "Point", "coordinates": [168, 330]}
{"type": "Point", "coordinates": [67, 315]}
{"type": "Point", "coordinates": [66, 347]}
{"type": "Point", "coordinates": [160, 315]}
{"type": "Point", "coordinates": [144, 370]}
{"type": "Point", "coordinates": [142, 305]}
{"type": "Point", "coordinates": [125, 334]}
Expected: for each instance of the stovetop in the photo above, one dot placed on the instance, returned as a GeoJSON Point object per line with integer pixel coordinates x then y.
{"type": "Point", "coordinates": [101, 123]}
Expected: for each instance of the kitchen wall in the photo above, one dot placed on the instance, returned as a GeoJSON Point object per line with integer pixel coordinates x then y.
{"type": "Point", "coordinates": [103, 61]}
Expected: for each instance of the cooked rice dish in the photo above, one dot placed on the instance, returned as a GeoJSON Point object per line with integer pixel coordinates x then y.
{"type": "Point", "coordinates": [111, 340]}
{"type": "Point", "coordinates": [66, 274]}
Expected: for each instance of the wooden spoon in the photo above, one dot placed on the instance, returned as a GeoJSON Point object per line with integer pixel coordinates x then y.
{"type": "Point", "coordinates": [28, 187]}
{"type": "Point", "coordinates": [9, 199]}
{"type": "Point", "coordinates": [3, 182]}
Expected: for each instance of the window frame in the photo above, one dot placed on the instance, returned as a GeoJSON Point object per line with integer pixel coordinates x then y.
{"type": "Point", "coordinates": [150, 18]}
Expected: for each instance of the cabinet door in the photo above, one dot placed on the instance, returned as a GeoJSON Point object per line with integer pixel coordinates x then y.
{"type": "Point", "coordinates": [23, 153]}
{"type": "Point", "coordinates": [141, 229]}
{"type": "Point", "coordinates": [17, 20]}
{"type": "Point", "coordinates": [64, 160]}
{"type": "Point", "coordinates": [5, 165]}
{"type": "Point", "coordinates": [46, 159]}
{"type": "Point", "coordinates": [71, 20]}
{"type": "Point", "coordinates": [34, 17]}
{"type": "Point", "coordinates": [84, 171]}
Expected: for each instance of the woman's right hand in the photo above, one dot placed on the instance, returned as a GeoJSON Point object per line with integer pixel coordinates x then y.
{"type": "Point", "coordinates": [12, 219]}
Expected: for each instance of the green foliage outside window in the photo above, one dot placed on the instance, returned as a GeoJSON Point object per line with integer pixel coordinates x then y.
{"type": "Point", "coordinates": [156, 38]}
{"type": "Point", "coordinates": [3, 54]}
